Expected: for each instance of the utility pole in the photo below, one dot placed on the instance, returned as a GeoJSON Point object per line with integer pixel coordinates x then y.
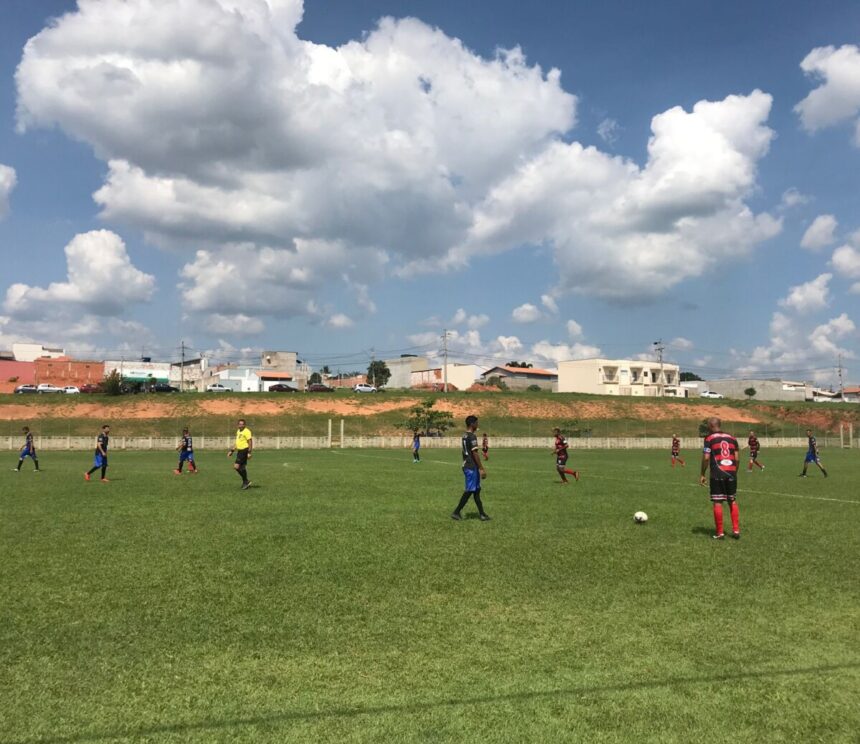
{"type": "Point", "coordinates": [659, 348]}
{"type": "Point", "coordinates": [841, 383]}
{"type": "Point", "coordinates": [182, 368]}
{"type": "Point", "coordinates": [445, 357]}
{"type": "Point", "coordinates": [372, 365]}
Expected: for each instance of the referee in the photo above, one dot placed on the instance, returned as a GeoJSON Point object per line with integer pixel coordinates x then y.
{"type": "Point", "coordinates": [243, 448]}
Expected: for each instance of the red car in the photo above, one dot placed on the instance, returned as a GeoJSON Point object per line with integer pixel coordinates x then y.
{"type": "Point", "coordinates": [282, 388]}
{"type": "Point", "coordinates": [89, 388]}
{"type": "Point", "coordinates": [318, 387]}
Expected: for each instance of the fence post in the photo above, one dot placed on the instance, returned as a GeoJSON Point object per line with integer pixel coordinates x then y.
{"type": "Point", "coordinates": [329, 434]}
{"type": "Point", "coordinates": [341, 433]}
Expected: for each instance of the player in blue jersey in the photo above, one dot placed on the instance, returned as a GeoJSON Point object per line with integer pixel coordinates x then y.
{"type": "Point", "coordinates": [812, 455]}
{"type": "Point", "coordinates": [416, 447]}
{"type": "Point", "coordinates": [186, 453]}
{"type": "Point", "coordinates": [473, 471]}
{"type": "Point", "coordinates": [100, 460]}
{"type": "Point", "coordinates": [28, 450]}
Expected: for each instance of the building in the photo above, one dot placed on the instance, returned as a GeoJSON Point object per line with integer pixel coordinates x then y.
{"type": "Point", "coordinates": [63, 371]}
{"type": "Point", "coordinates": [269, 378]}
{"type": "Point", "coordinates": [765, 389]}
{"type": "Point", "coordinates": [188, 374]}
{"type": "Point", "coordinates": [239, 379]}
{"type": "Point", "coordinates": [522, 378]}
{"type": "Point", "coordinates": [851, 394]}
{"type": "Point", "coordinates": [619, 377]}
{"type": "Point", "coordinates": [288, 362]}
{"type": "Point", "coordinates": [460, 376]}
{"type": "Point", "coordinates": [139, 370]}
{"type": "Point", "coordinates": [32, 352]}
{"type": "Point", "coordinates": [14, 373]}
{"type": "Point", "coordinates": [402, 368]}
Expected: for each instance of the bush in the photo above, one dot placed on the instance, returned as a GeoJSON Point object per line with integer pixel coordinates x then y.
{"type": "Point", "coordinates": [534, 388]}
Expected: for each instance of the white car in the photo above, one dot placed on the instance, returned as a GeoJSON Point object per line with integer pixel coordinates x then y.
{"type": "Point", "coordinates": [363, 387]}
{"type": "Point", "coordinates": [48, 388]}
{"type": "Point", "coordinates": [218, 388]}
{"type": "Point", "coordinates": [709, 394]}
{"type": "Point", "coordinates": [72, 390]}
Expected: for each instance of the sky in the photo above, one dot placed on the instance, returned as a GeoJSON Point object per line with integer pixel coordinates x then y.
{"type": "Point", "coordinates": [546, 181]}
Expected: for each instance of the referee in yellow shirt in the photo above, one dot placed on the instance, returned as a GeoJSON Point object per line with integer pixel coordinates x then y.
{"type": "Point", "coordinates": [243, 447]}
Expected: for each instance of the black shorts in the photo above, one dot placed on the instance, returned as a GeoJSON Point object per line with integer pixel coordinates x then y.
{"type": "Point", "coordinates": [753, 454]}
{"type": "Point", "coordinates": [561, 461]}
{"type": "Point", "coordinates": [676, 453]}
{"type": "Point", "coordinates": [723, 489]}
{"type": "Point", "coordinates": [242, 456]}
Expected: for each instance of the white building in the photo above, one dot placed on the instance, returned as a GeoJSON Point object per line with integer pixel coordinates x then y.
{"type": "Point", "coordinates": [402, 368]}
{"type": "Point", "coordinates": [32, 352]}
{"type": "Point", "coordinates": [238, 379]}
{"type": "Point", "coordinates": [619, 377]}
{"type": "Point", "coordinates": [287, 362]}
{"type": "Point", "coordinates": [460, 376]}
{"type": "Point", "coordinates": [188, 374]}
{"type": "Point", "coordinates": [137, 371]}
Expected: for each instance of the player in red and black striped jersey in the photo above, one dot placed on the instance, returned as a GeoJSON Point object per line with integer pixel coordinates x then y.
{"type": "Point", "coordinates": [755, 448]}
{"type": "Point", "coordinates": [676, 451]}
{"type": "Point", "coordinates": [560, 451]}
{"type": "Point", "coordinates": [720, 461]}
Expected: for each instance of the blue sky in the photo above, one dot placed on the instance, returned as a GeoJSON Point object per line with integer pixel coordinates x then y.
{"type": "Point", "coordinates": [517, 214]}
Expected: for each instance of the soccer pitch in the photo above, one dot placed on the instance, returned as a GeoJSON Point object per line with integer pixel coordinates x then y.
{"type": "Point", "coordinates": [337, 601]}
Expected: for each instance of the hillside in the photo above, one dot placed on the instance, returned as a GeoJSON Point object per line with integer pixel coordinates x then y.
{"type": "Point", "coordinates": [502, 414]}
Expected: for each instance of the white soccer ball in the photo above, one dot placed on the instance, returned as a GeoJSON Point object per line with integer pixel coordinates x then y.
{"type": "Point", "coordinates": [640, 517]}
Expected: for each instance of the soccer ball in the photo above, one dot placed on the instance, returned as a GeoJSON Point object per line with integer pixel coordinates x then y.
{"type": "Point", "coordinates": [640, 517]}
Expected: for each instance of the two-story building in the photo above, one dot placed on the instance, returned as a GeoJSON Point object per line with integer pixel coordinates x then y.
{"type": "Point", "coordinates": [619, 377]}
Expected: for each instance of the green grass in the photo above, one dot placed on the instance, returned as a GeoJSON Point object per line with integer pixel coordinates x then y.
{"type": "Point", "coordinates": [337, 602]}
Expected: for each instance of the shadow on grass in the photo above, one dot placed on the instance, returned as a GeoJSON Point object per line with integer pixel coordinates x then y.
{"type": "Point", "coordinates": [422, 706]}
{"type": "Point", "coordinates": [703, 531]}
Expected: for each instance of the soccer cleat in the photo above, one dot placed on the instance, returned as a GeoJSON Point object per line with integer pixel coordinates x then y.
{"type": "Point", "coordinates": [721, 536]}
{"type": "Point", "coordinates": [246, 485]}
{"type": "Point", "coordinates": [15, 470]}
{"type": "Point", "coordinates": [86, 476]}
{"type": "Point", "coordinates": [484, 517]}
{"type": "Point", "coordinates": [802, 475]}
{"type": "Point", "coordinates": [825, 473]}
{"type": "Point", "coordinates": [105, 480]}
{"type": "Point", "coordinates": [736, 535]}
{"type": "Point", "coordinates": [456, 517]}
{"type": "Point", "coordinates": [576, 475]}
{"type": "Point", "coordinates": [177, 472]}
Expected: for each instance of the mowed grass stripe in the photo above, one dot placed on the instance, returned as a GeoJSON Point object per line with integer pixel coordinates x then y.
{"type": "Point", "coordinates": [337, 601]}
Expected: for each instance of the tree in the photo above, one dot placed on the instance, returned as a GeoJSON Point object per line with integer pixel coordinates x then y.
{"type": "Point", "coordinates": [750, 392]}
{"type": "Point", "coordinates": [425, 419]}
{"type": "Point", "coordinates": [378, 373]}
{"type": "Point", "coordinates": [690, 377]}
{"type": "Point", "coordinates": [496, 381]}
{"type": "Point", "coordinates": [315, 378]}
{"type": "Point", "coordinates": [325, 370]}
{"type": "Point", "coordinates": [113, 383]}
{"type": "Point", "coordinates": [533, 388]}
{"type": "Point", "coordinates": [520, 365]}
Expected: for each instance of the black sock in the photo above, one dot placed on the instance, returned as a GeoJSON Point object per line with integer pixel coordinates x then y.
{"type": "Point", "coordinates": [20, 463]}
{"type": "Point", "coordinates": [92, 469]}
{"type": "Point", "coordinates": [36, 463]}
{"type": "Point", "coordinates": [179, 467]}
{"type": "Point", "coordinates": [463, 501]}
{"type": "Point", "coordinates": [478, 502]}
{"type": "Point", "coordinates": [243, 472]}
{"type": "Point", "coordinates": [104, 472]}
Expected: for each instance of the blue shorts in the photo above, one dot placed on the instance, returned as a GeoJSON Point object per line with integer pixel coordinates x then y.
{"type": "Point", "coordinates": [186, 456]}
{"type": "Point", "coordinates": [27, 452]}
{"type": "Point", "coordinates": [473, 479]}
{"type": "Point", "coordinates": [100, 461]}
{"type": "Point", "coordinates": [811, 457]}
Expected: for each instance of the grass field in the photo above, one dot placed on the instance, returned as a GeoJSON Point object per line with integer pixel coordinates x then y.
{"type": "Point", "coordinates": [337, 602]}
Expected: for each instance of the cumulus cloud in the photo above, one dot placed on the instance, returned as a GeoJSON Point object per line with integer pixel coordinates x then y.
{"type": "Point", "coordinates": [549, 302]}
{"type": "Point", "coordinates": [8, 180]}
{"type": "Point", "coordinates": [340, 321]}
{"type": "Point", "coordinates": [574, 329]}
{"type": "Point", "coordinates": [793, 198]}
{"type": "Point", "coordinates": [810, 296]}
{"type": "Point", "coordinates": [820, 233]}
{"type": "Point", "coordinates": [846, 261]}
{"type": "Point", "coordinates": [837, 98]}
{"type": "Point", "coordinates": [101, 280]}
{"type": "Point", "coordinates": [233, 325]}
{"type": "Point", "coordinates": [526, 313]}
{"type": "Point", "coordinates": [223, 129]}
{"type": "Point", "coordinates": [550, 352]}
{"type": "Point", "coordinates": [681, 343]}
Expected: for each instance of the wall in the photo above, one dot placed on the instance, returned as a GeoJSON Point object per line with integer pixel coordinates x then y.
{"type": "Point", "coordinates": [765, 390]}
{"type": "Point", "coordinates": [62, 372]}
{"type": "Point", "coordinates": [25, 372]}
{"type": "Point", "coordinates": [402, 369]}
{"type": "Point", "coordinates": [138, 371]}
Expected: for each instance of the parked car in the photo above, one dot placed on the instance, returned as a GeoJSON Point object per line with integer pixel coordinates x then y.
{"type": "Point", "coordinates": [218, 388]}
{"type": "Point", "coordinates": [363, 387]}
{"type": "Point", "coordinates": [46, 387]}
{"type": "Point", "coordinates": [163, 387]}
{"type": "Point", "coordinates": [318, 387]}
{"type": "Point", "coordinates": [90, 389]}
{"type": "Point", "coordinates": [709, 394]}
{"type": "Point", "coordinates": [282, 388]}
{"type": "Point", "coordinates": [21, 389]}
{"type": "Point", "coordinates": [72, 390]}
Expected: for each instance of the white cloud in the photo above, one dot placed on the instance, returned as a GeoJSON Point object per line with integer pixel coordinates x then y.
{"type": "Point", "coordinates": [703, 361]}
{"type": "Point", "coordinates": [468, 346]}
{"type": "Point", "coordinates": [550, 352]}
{"type": "Point", "coordinates": [837, 98]}
{"type": "Point", "coordinates": [549, 302]}
{"type": "Point", "coordinates": [8, 180]}
{"type": "Point", "coordinates": [855, 288]}
{"type": "Point", "coordinates": [208, 114]}
{"type": "Point", "coordinates": [233, 325]}
{"type": "Point", "coordinates": [340, 321]}
{"type": "Point", "coordinates": [526, 313]}
{"type": "Point", "coordinates": [478, 321]}
{"type": "Point", "coordinates": [101, 280]}
{"type": "Point", "coordinates": [820, 233]}
{"type": "Point", "coordinates": [608, 130]}
{"type": "Point", "coordinates": [810, 296]}
{"type": "Point", "coordinates": [793, 198]}
{"type": "Point", "coordinates": [574, 329]}
{"type": "Point", "coordinates": [628, 233]}
{"type": "Point", "coordinates": [846, 261]}
{"type": "Point", "coordinates": [679, 342]}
